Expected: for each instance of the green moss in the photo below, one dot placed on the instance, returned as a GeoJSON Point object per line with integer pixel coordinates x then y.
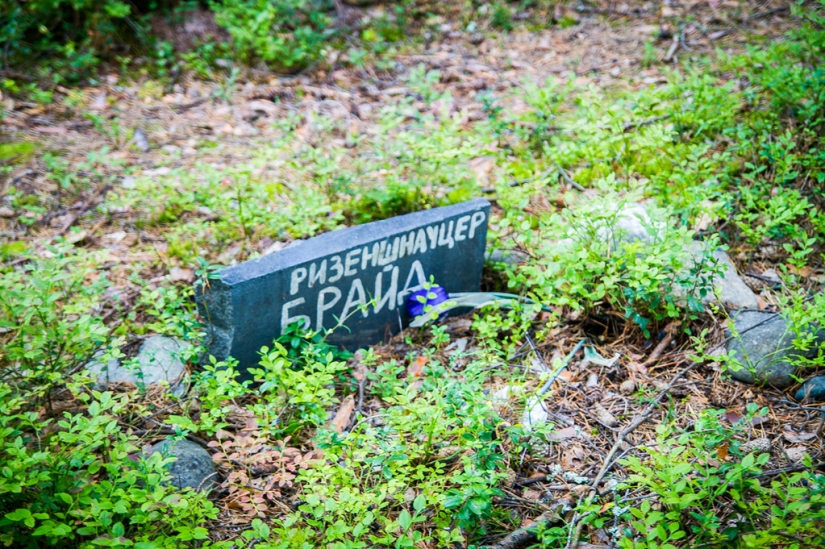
{"type": "Point", "coordinates": [16, 152]}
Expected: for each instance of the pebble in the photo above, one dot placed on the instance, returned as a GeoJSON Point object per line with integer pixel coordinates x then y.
{"type": "Point", "coordinates": [158, 360]}
{"type": "Point", "coordinates": [812, 390]}
{"type": "Point", "coordinates": [193, 466]}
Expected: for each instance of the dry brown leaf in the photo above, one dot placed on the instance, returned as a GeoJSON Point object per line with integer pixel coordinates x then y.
{"type": "Point", "coordinates": [732, 417]}
{"type": "Point", "coordinates": [564, 434]}
{"type": "Point", "coordinates": [572, 458]}
{"type": "Point", "coordinates": [342, 417]}
{"type": "Point", "coordinates": [722, 451]}
{"type": "Point", "coordinates": [417, 366]}
{"type": "Point", "coordinates": [798, 437]}
{"type": "Point", "coordinates": [181, 274]}
{"type": "Point", "coordinates": [532, 495]}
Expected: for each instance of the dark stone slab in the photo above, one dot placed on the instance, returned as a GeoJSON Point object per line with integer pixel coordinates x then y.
{"type": "Point", "coordinates": [326, 278]}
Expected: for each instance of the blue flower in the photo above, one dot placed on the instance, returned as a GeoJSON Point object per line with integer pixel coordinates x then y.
{"type": "Point", "coordinates": [419, 302]}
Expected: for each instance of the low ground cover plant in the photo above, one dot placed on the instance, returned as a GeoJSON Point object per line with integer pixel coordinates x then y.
{"type": "Point", "coordinates": [429, 457]}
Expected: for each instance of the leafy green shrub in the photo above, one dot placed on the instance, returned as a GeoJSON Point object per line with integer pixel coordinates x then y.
{"type": "Point", "coordinates": [700, 485]}
{"type": "Point", "coordinates": [502, 18]}
{"type": "Point", "coordinates": [584, 259]}
{"type": "Point", "coordinates": [80, 482]}
{"type": "Point", "coordinates": [72, 34]}
{"type": "Point", "coordinates": [433, 460]}
{"type": "Point", "coordinates": [294, 396]}
{"type": "Point", "coordinates": [284, 34]}
{"type": "Point", "coordinates": [49, 312]}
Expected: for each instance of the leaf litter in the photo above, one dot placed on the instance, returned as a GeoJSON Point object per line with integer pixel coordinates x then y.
{"type": "Point", "coordinates": [189, 128]}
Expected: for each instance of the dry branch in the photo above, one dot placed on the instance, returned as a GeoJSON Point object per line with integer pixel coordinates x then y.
{"type": "Point", "coordinates": [526, 535]}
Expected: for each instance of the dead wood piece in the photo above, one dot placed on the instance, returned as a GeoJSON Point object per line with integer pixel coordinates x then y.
{"type": "Point", "coordinates": [567, 178]}
{"type": "Point", "coordinates": [527, 535]}
{"type": "Point", "coordinates": [82, 208]}
{"type": "Point", "coordinates": [768, 13]}
{"type": "Point", "coordinates": [673, 47]}
{"type": "Point", "coordinates": [663, 345]}
{"type": "Point", "coordinates": [194, 103]}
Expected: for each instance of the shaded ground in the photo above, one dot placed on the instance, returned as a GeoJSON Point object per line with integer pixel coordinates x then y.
{"type": "Point", "coordinates": [265, 126]}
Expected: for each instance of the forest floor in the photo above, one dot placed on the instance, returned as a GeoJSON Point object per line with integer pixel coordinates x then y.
{"type": "Point", "coordinates": [115, 170]}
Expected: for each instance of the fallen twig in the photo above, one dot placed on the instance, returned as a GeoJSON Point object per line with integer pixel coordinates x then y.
{"type": "Point", "coordinates": [673, 47]}
{"type": "Point", "coordinates": [526, 535]}
{"type": "Point", "coordinates": [82, 208]}
{"type": "Point", "coordinates": [575, 533]}
{"type": "Point", "coordinates": [663, 345]}
{"type": "Point", "coordinates": [642, 123]}
{"type": "Point", "coordinates": [637, 421]}
{"type": "Point", "coordinates": [546, 387]}
{"type": "Point", "coordinates": [768, 13]}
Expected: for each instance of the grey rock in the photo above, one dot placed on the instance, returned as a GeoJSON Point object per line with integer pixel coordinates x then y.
{"type": "Point", "coordinates": [771, 277]}
{"type": "Point", "coordinates": [764, 348]}
{"type": "Point", "coordinates": [159, 359]}
{"type": "Point", "coordinates": [731, 288]}
{"type": "Point", "coordinates": [510, 257]}
{"type": "Point", "coordinates": [633, 223]}
{"type": "Point", "coordinates": [140, 140]}
{"type": "Point", "coordinates": [193, 466]}
{"type": "Point", "coordinates": [812, 390]}
{"type": "Point", "coordinates": [476, 38]}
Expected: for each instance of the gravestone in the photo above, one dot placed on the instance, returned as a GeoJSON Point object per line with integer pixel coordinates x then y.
{"type": "Point", "coordinates": [332, 277]}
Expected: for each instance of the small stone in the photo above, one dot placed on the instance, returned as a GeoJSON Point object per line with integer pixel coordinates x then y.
{"type": "Point", "coordinates": [796, 453]}
{"type": "Point", "coordinates": [6, 212]}
{"type": "Point", "coordinates": [812, 390]}
{"type": "Point", "coordinates": [245, 130]}
{"type": "Point", "coordinates": [140, 140]}
{"type": "Point", "coordinates": [193, 466]}
{"type": "Point", "coordinates": [476, 38]}
{"type": "Point", "coordinates": [764, 348]}
{"type": "Point", "coordinates": [158, 360]}
{"type": "Point", "coordinates": [634, 223]}
{"type": "Point", "coordinates": [508, 257]}
{"type": "Point", "coordinates": [771, 276]}
{"type": "Point", "coordinates": [732, 289]}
